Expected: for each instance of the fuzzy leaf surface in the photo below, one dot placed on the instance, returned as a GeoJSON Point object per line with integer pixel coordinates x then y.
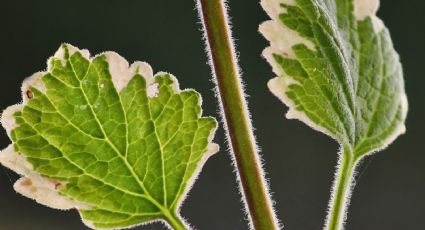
{"type": "Point", "coordinates": [337, 70]}
{"type": "Point", "coordinates": [115, 142]}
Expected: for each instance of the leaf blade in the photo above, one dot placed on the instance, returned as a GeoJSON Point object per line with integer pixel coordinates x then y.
{"type": "Point", "coordinates": [336, 45]}
{"type": "Point", "coordinates": [113, 141]}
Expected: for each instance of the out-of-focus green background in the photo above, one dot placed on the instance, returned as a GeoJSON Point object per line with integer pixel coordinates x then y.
{"type": "Point", "coordinates": [390, 191]}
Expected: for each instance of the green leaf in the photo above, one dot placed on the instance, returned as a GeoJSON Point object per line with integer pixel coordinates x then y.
{"type": "Point", "coordinates": [337, 70]}
{"type": "Point", "coordinates": [115, 142]}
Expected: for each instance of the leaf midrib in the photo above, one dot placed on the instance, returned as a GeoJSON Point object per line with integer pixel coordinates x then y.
{"type": "Point", "coordinates": [83, 170]}
{"type": "Point", "coordinates": [366, 135]}
{"type": "Point", "coordinates": [145, 190]}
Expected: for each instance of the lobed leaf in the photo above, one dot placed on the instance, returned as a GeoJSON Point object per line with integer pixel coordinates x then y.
{"type": "Point", "coordinates": [115, 142]}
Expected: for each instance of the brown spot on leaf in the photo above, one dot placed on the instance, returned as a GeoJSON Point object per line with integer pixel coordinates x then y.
{"type": "Point", "coordinates": [58, 186]}
{"type": "Point", "coordinates": [29, 94]}
{"type": "Point", "coordinates": [26, 182]}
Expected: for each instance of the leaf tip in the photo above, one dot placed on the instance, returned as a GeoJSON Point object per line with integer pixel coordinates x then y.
{"type": "Point", "coordinates": [66, 50]}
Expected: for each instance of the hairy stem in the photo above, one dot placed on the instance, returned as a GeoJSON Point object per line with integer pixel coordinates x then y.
{"type": "Point", "coordinates": [236, 115]}
{"type": "Point", "coordinates": [341, 191]}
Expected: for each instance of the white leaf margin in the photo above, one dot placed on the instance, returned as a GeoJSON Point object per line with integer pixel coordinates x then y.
{"type": "Point", "coordinates": [45, 191]}
{"type": "Point", "coordinates": [282, 39]}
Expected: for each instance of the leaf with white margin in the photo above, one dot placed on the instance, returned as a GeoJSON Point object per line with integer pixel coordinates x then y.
{"type": "Point", "coordinates": [115, 142]}
{"type": "Point", "coordinates": [337, 70]}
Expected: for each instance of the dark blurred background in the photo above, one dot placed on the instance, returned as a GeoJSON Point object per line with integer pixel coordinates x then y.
{"type": "Point", "coordinates": [390, 191]}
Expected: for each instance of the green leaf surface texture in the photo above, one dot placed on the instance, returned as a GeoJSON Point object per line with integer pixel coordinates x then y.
{"type": "Point", "coordinates": [111, 140]}
{"type": "Point", "coordinates": [337, 70]}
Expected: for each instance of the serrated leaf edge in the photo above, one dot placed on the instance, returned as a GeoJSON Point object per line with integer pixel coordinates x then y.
{"type": "Point", "coordinates": [281, 41]}
{"type": "Point", "coordinates": [31, 183]}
